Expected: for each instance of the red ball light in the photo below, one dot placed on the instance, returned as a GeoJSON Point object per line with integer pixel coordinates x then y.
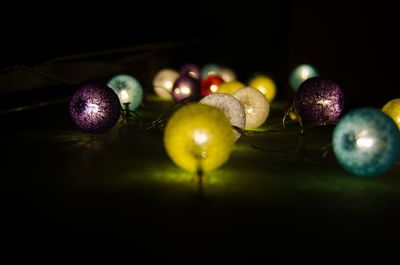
{"type": "Point", "coordinates": [210, 84]}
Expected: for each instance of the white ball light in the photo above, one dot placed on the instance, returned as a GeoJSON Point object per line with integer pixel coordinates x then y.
{"type": "Point", "coordinates": [163, 83]}
{"type": "Point", "coordinates": [230, 106]}
{"type": "Point", "coordinates": [227, 74]}
{"type": "Point", "coordinates": [255, 105]}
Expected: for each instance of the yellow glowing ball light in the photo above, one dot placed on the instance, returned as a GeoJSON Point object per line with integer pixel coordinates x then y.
{"type": "Point", "coordinates": [230, 87]}
{"type": "Point", "coordinates": [392, 109]}
{"type": "Point", "coordinates": [265, 85]}
{"type": "Point", "coordinates": [198, 136]}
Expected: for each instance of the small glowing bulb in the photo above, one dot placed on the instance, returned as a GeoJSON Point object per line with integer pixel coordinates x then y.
{"type": "Point", "coordinates": [124, 96]}
{"type": "Point", "coordinates": [213, 88]}
{"type": "Point", "coordinates": [210, 84]}
{"type": "Point", "coordinates": [365, 142]}
{"type": "Point", "coordinates": [324, 102]}
{"type": "Point", "coordinates": [92, 108]}
{"type": "Point", "coordinates": [168, 85]}
{"type": "Point", "coordinates": [292, 116]}
{"type": "Point", "coordinates": [304, 74]}
{"type": "Point", "coordinates": [200, 137]}
{"type": "Point", "coordinates": [185, 90]}
{"type": "Point", "coordinates": [249, 110]}
{"type": "Point", "coordinates": [263, 90]}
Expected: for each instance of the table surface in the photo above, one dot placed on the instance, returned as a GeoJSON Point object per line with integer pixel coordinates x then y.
{"type": "Point", "coordinates": [118, 197]}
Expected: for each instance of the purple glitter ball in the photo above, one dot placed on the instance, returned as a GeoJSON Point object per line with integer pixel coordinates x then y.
{"type": "Point", "coordinates": [185, 87]}
{"type": "Point", "coordinates": [319, 101]}
{"type": "Point", "coordinates": [95, 108]}
{"type": "Point", "coordinates": [191, 70]}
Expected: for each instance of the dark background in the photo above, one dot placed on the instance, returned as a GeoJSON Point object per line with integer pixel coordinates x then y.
{"type": "Point", "coordinates": [355, 43]}
{"type": "Point", "coordinates": [352, 42]}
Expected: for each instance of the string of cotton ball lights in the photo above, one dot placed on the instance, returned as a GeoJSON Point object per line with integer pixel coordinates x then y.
{"type": "Point", "coordinates": [212, 112]}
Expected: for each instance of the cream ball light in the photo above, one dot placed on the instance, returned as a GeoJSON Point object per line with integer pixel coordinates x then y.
{"type": "Point", "coordinates": [231, 107]}
{"type": "Point", "coordinates": [227, 74]}
{"type": "Point", "coordinates": [256, 106]}
{"type": "Point", "coordinates": [163, 83]}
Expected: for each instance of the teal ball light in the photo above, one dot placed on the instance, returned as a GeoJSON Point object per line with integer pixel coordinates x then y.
{"type": "Point", "coordinates": [210, 69]}
{"type": "Point", "coordinates": [366, 142]}
{"type": "Point", "coordinates": [128, 89]}
{"type": "Point", "coordinates": [300, 74]}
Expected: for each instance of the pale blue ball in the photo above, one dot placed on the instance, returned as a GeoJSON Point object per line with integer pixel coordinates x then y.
{"type": "Point", "coordinates": [210, 69]}
{"type": "Point", "coordinates": [300, 74]}
{"type": "Point", "coordinates": [366, 142]}
{"type": "Point", "coordinates": [128, 90]}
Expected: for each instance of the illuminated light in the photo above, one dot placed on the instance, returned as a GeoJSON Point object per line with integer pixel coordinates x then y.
{"type": "Point", "coordinates": [214, 88]}
{"type": "Point", "coordinates": [366, 142]}
{"type": "Point", "coordinates": [263, 90]}
{"type": "Point", "coordinates": [392, 109]}
{"type": "Point", "coordinates": [265, 85]}
{"type": "Point", "coordinates": [255, 104]}
{"type": "Point", "coordinates": [95, 108]}
{"type": "Point", "coordinates": [300, 74]}
{"type": "Point", "coordinates": [325, 102]}
{"type": "Point", "coordinates": [163, 83]}
{"type": "Point", "coordinates": [198, 136]}
{"type": "Point", "coordinates": [124, 96]}
{"type": "Point", "coordinates": [128, 90]}
{"type": "Point", "coordinates": [210, 69]}
{"type": "Point", "coordinates": [230, 87]}
{"type": "Point", "coordinates": [185, 90]}
{"type": "Point", "coordinates": [92, 108]}
{"type": "Point", "coordinates": [305, 74]}
{"type": "Point", "coordinates": [319, 101]}
{"type": "Point", "coordinates": [293, 116]}
{"type": "Point", "coordinates": [227, 74]}
{"type": "Point", "coordinates": [191, 70]}
{"type": "Point", "coordinates": [231, 107]}
{"type": "Point", "coordinates": [210, 84]}
{"type": "Point", "coordinates": [168, 85]}
{"type": "Point", "coordinates": [185, 87]}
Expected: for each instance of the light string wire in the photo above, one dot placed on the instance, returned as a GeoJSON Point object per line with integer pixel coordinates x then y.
{"type": "Point", "coordinates": [298, 154]}
{"type": "Point", "coordinates": [43, 72]}
{"type": "Point", "coordinates": [158, 123]}
{"type": "Point", "coordinates": [145, 51]}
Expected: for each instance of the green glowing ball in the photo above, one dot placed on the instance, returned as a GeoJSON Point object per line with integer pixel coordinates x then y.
{"type": "Point", "coordinates": [128, 90]}
{"type": "Point", "coordinates": [199, 136]}
{"type": "Point", "coordinates": [300, 74]}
